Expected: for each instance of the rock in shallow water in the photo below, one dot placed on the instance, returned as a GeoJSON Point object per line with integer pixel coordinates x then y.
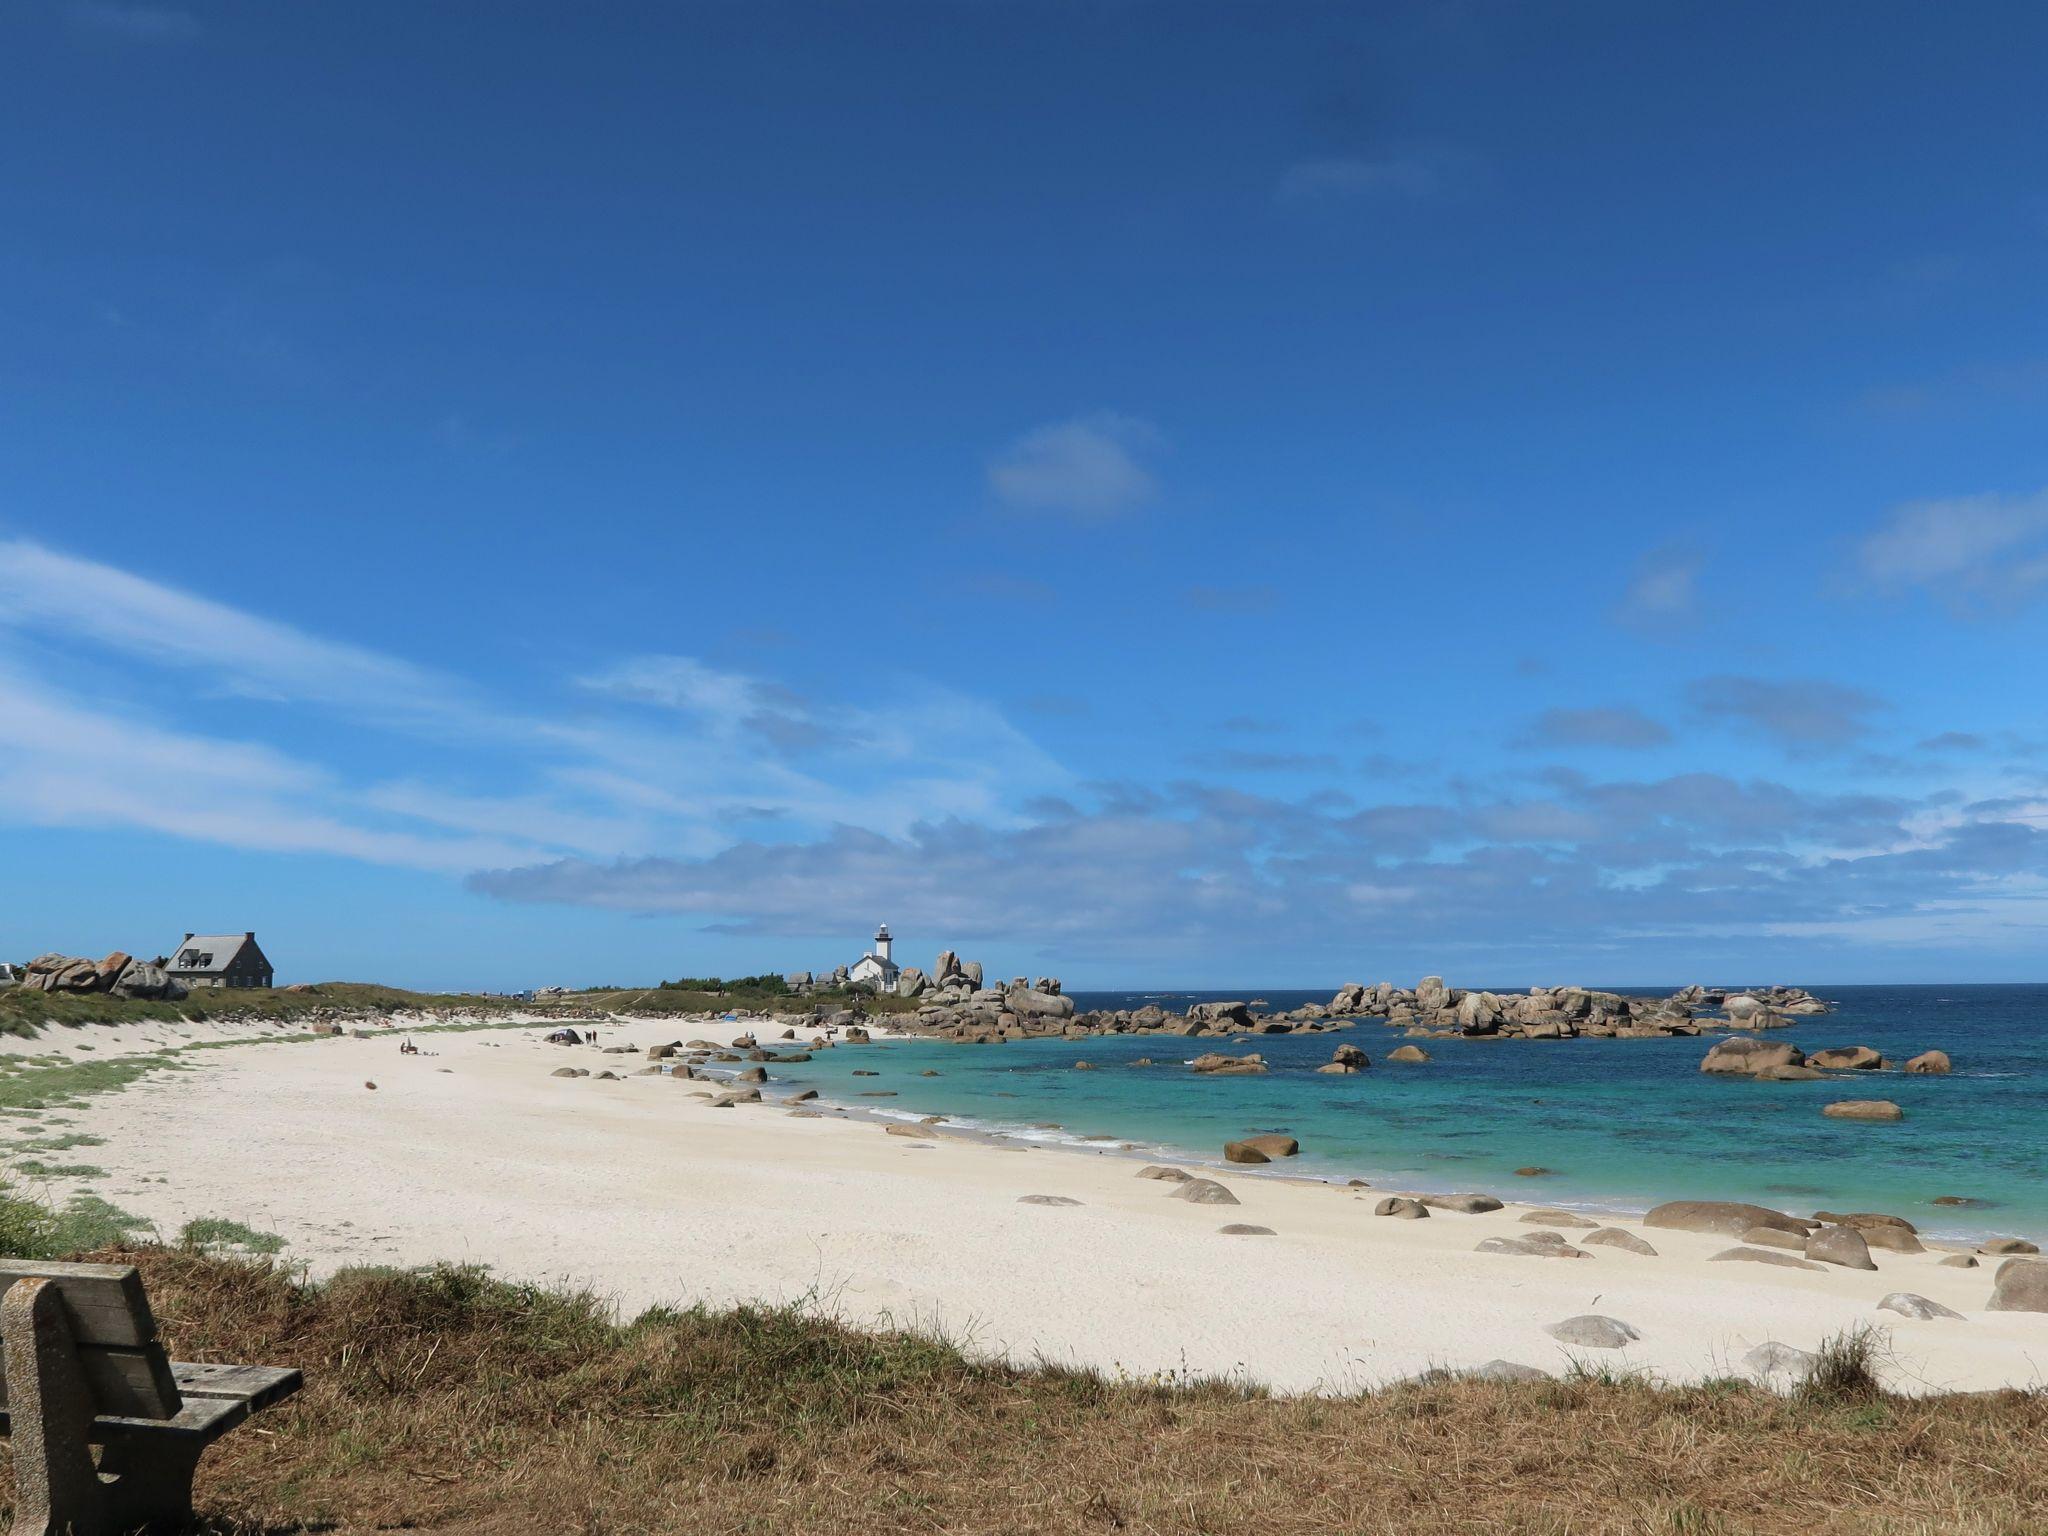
{"type": "Point", "coordinates": [1863, 1109]}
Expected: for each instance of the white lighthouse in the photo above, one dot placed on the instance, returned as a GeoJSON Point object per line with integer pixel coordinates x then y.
{"type": "Point", "coordinates": [876, 968]}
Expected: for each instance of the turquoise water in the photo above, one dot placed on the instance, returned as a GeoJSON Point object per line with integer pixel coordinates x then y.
{"type": "Point", "coordinates": [1623, 1123]}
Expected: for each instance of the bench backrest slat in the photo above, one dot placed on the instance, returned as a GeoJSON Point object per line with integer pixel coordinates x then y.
{"type": "Point", "coordinates": [124, 1365]}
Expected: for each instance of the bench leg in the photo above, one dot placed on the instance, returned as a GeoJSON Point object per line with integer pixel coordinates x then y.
{"type": "Point", "coordinates": [151, 1482]}
{"type": "Point", "coordinates": [56, 1490]}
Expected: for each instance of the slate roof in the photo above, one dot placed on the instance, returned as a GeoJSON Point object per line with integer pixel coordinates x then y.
{"type": "Point", "coordinates": [212, 952]}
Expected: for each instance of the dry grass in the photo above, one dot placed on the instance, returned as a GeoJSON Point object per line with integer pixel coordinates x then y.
{"type": "Point", "coordinates": [443, 1401]}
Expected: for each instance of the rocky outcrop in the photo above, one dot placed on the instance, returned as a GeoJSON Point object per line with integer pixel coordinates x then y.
{"type": "Point", "coordinates": [1215, 1064]}
{"type": "Point", "coordinates": [118, 974]}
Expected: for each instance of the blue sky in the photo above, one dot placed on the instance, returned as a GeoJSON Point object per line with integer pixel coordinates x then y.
{"type": "Point", "coordinates": [1169, 494]}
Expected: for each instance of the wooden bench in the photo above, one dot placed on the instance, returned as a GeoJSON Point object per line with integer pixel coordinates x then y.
{"type": "Point", "coordinates": [80, 1366]}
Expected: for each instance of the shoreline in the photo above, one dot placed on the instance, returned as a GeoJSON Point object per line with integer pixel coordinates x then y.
{"type": "Point", "coordinates": [473, 1152]}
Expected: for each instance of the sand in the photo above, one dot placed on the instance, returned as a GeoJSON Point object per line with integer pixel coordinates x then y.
{"type": "Point", "coordinates": [476, 1154]}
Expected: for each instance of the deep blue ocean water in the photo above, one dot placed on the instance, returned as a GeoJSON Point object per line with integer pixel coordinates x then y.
{"type": "Point", "coordinates": [1623, 1123]}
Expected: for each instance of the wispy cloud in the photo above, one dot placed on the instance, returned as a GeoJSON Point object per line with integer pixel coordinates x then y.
{"type": "Point", "coordinates": [1801, 715]}
{"type": "Point", "coordinates": [1620, 726]}
{"type": "Point", "coordinates": [57, 594]}
{"type": "Point", "coordinates": [1089, 468]}
{"type": "Point", "coordinates": [666, 752]}
{"type": "Point", "coordinates": [1664, 590]}
{"type": "Point", "coordinates": [1148, 880]}
{"type": "Point", "coordinates": [1242, 600]}
{"type": "Point", "coordinates": [1973, 551]}
{"type": "Point", "coordinates": [1344, 177]}
{"type": "Point", "coordinates": [134, 23]}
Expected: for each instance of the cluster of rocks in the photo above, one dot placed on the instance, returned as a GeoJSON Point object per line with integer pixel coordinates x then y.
{"type": "Point", "coordinates": [1557, 1013]}
{"type": "Point", "coordinates": [1780, 1061]}
{"type": "Point", "coordinates": [118, 975]}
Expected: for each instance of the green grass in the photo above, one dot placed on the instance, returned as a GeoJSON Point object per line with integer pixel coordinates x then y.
{"type": "Point", "coordinates": [68, 1141]}
{"type": "Point", "coordinates": [24, 1012]}
{"type": "Point", "coordinates": [213, 1232]}
{"type": "Point", "coordinates": [31, 1085]}
{"type": "Point", "coordinates": [28, 1013]}
{"type": "Point", "coordinates": [38, 1168]}
{"type": "Point", "coordinates": [32, 1228]}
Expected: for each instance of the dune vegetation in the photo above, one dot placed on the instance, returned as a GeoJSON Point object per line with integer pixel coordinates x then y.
{"type": "Point", "coordinates": [445, 1400]}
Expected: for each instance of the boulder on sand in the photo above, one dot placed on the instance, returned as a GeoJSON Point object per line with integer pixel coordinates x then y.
{"type": "Point", "coordinates": [1840, 1245]}
{"type": "Point", "coordinates": [1203, 1192]}
{"type": "Point", "coordinates": [1766, 1256]}
{"type": "Point", "coordinates": [1397, 1205]}
{"type": "Point", "coordinates": [2021, 1286]}
{"type": "Point", "coordinates": [1593, 1331]}
{"type": "Point", "coordinates": [1617, 1237]}
{"type": "Point", "coordinates": [1730, 1218]}
{"type": "Point", "coordinates": [1536, 1245]}
{"type": "Point", "coordinates": [1171, 1175]}
{"type": "Point", "coordinates": [1908, 1304]}
{"type": "Point", "coordinates": [1464, 1205]}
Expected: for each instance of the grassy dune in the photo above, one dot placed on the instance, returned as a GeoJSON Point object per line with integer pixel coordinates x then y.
{"type": "Point", "coordinates": [23, 1012]}
{"type": "Point", "coordinates": [446, 1401]}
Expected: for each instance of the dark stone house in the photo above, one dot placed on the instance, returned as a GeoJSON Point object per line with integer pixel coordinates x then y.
{"type": "Point", "coordinates": [220, 960]}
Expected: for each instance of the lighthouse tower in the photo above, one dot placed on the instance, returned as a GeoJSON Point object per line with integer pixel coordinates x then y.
{"type": "Point", "coordinates": [876, 968]}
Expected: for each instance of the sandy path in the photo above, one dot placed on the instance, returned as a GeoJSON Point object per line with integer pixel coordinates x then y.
{"type": "Point", "coordinates": [648, 1194]}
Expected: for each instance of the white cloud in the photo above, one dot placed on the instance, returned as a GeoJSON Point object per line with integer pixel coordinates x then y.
{"type": "Point", "coordinates": [1088, 468]}
{"type": "Point", "coordinates": [1986, 549]}
{"type": "Point", "coordinates": [134, 23]}
{"type": "Point", "coordinates": [1664, 590]}
{"type": "Point", "coordinates": [1336, 177]}
{"type": "Point", "coordinates": [53, 594]}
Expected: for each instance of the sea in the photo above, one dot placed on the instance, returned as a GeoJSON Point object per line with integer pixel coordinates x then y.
{"type": "Point", "coordinates": [1618, 1125]}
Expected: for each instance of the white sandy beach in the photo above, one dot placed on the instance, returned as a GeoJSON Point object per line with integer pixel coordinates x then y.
{"type": "Point", "coordinates": [476, 1154]}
